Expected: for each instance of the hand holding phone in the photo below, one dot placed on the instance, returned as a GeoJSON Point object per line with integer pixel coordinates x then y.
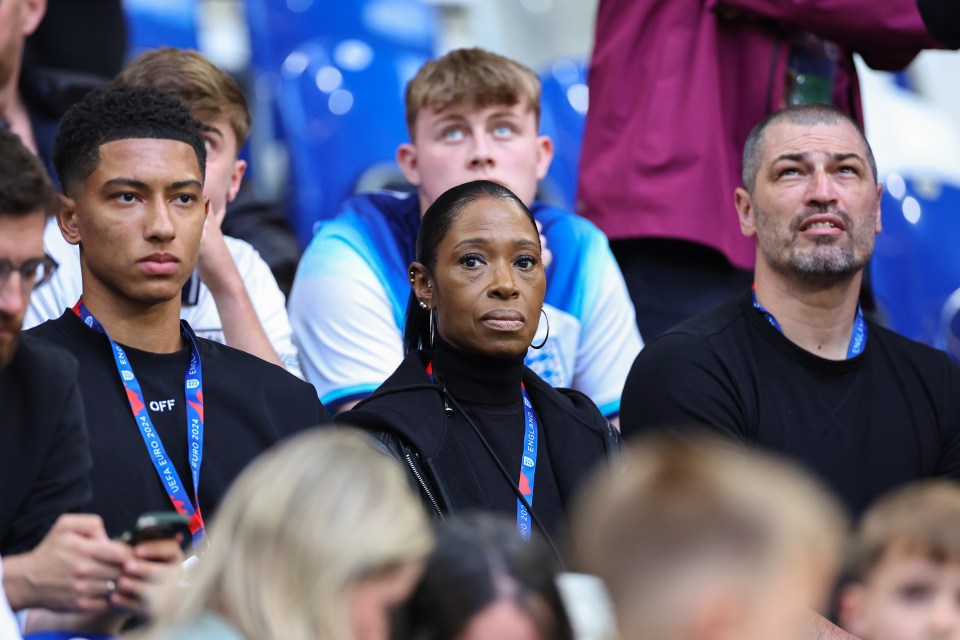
{"type": "Point", "coordinates": [158, 525]}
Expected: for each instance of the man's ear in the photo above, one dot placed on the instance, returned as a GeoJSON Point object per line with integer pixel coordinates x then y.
{"type": "Point", "coordinates": [31, 15]}
{"type": "Point", "coordinates": [236, 178]}
{"type": "Point", "coordinates": [422, 284]}
{"type": "Point", "coordinates": [67, 220]}
{"type": "Point", "coordinates": [407, 161]}
{"type": "Point", "coordinates": [745, 212]}
{"type": "Point", "coordinates": [545, 152]}
{"type": "Point", "coordinates": [879, 226]}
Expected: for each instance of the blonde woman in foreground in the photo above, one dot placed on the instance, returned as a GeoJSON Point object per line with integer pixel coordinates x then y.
{"type": "Point", "coordinates": [317, 539]}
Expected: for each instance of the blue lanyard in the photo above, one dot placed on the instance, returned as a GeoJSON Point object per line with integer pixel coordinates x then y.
{"type": "Point", "coordinates": [193, 388]}
{"type": "Point", "coordinates": [528, 460]}
{"type": "Point", "coordinates": [858, 341]}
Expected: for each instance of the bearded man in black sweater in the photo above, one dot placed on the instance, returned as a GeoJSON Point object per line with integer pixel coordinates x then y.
{"type": "Point", "coordinates": [793, 366]}
{"type": "Point", "coordinates": [161, 404]}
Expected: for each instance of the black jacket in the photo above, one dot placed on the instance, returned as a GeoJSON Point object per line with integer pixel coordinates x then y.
{"type": "Point", "coordinates": [407, 414]}
{"type": "Point", "coordinates": [45, 458]}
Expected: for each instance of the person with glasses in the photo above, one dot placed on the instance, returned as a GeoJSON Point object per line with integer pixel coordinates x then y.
{"type": "Point", "coordinates": [51, 560]}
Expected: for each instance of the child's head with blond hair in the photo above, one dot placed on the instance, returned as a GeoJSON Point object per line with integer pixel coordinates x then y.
{"type": "Point", "coordinates": [905, 566]}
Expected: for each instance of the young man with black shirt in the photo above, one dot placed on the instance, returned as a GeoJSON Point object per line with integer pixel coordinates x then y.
{"type": "Point", "coordinates": [793, 365]}
{"type": "Point", "coordinates": [172, 418]}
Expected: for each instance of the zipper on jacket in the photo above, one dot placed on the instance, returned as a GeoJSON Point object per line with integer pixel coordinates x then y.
{"type": "Point", "coordinates": [423, 484]}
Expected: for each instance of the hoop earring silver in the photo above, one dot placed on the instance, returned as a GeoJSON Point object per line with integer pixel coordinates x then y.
{"type": "Point", "coordinates": [546, 337]}
{"type": "Point", "coordinates": [431, 328]}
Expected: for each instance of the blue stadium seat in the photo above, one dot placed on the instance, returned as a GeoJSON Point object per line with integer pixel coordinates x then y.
{"type": "Point", "coordinates": [160, 23]}
{"type": "Point", "coordinates": [342, 101]}
{"type": "Point", "coordinates": [291, 41]}
{"type": "Point", "coordinates": [277, 27]}
{"type": "Point", "coordinates": [564, 110]}
{"type": "Point", "coordinates": [915, 269]}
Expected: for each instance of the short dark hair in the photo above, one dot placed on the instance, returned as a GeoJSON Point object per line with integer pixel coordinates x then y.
{"type": "Point", "coordinates": [434, 225]}
{"type": "Point", "coordinates": [480, 559]}
{"type": "Point", "coordinates": [25, 187]}
{"type": "Point", "coordinates": [119, 113]}
{"type": "Point", "coordinates": [807, 114]}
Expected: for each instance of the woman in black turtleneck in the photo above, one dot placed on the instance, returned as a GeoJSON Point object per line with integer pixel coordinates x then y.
{"type": "Point", "coordinates": [454, 410]}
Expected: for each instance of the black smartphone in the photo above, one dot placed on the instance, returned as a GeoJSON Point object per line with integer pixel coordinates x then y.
{"type": "Point", "coordinates": [158, 525]}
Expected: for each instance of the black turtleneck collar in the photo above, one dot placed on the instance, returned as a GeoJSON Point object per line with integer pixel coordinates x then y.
{"type": "Point", "coordinates": [477, 378]}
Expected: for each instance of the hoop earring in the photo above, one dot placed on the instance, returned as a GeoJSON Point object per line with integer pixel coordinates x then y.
{"type": "Point", "coordinates": [431, 328]}
{"type": "Point", "coordinates": [546, 337]}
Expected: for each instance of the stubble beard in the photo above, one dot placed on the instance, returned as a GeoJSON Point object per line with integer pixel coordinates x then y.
{"type": "Point", "coordinates": [8, 346]}
{"type": "Point", "coordinates": [827, 263]}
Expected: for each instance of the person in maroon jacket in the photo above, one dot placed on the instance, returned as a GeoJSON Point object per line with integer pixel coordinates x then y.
{"type": "Point", "coordinates": [675, 87]}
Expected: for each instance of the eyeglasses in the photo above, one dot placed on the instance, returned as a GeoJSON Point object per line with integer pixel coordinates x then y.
{"type": "Point", "coordinates": [33, 272]}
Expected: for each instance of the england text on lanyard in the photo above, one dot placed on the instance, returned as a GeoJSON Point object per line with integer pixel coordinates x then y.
{"type": "Point", "coordinates": [858, 341]}
{"type": "Point", "coordinates": [528, 460]}
{"type": "Point", "coordinates": [193, 388]}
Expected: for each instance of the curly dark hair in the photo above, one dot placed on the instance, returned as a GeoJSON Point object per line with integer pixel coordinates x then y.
{"type": "Point", "coordinates": [119, 113]}
{"type": "Point", "coordinates": [25, 186]}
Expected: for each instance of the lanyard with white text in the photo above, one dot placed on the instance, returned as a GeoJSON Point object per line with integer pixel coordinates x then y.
{"type": "Point", "coordinates": [193, 388]}
{"type": "Point", "coordinates": [857, 341]}
{"type": "Point", "coordinates": [528, 460]}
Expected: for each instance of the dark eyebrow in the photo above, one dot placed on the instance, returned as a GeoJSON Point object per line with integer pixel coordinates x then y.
{"type": "Point", "coordinates": [124, 182]}
{"type": "Point", "coordinates": [841, 157]}
{"type": "Point", "coordinates": [837, 157]}
{"type": "Point", "coordinates": [141, 185]}
{"type": "Point", "coordinates": [520, 242]}
{"type": "Point", "coordinates": [480, 241]}
{"type": "Point", "coordinates": [792, 157]}
{"type": "Point", "coordinates": [183, 184]}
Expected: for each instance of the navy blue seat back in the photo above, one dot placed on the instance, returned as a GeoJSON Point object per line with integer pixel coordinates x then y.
{"type": "Point", "coordinates": [563, 115]}
{"type": "Point", "coordinates": [160, 23]}
{"type": "Point", "coordinates": [915, 270]}
{"type": "Point", "coordinates": [342, 102]}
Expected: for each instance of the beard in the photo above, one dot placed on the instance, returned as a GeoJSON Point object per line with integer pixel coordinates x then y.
{"type": "Point", "coordinates": [8, 343]}
{"type": "Point", "coordinates": [829, 261]}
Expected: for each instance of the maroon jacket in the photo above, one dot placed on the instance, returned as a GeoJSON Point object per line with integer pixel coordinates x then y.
{"type": "Point", "coordinates": [676, 86]}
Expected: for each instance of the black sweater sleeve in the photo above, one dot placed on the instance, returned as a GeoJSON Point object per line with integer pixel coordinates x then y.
{"type": "Point", "coordinates": [49, 462]}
